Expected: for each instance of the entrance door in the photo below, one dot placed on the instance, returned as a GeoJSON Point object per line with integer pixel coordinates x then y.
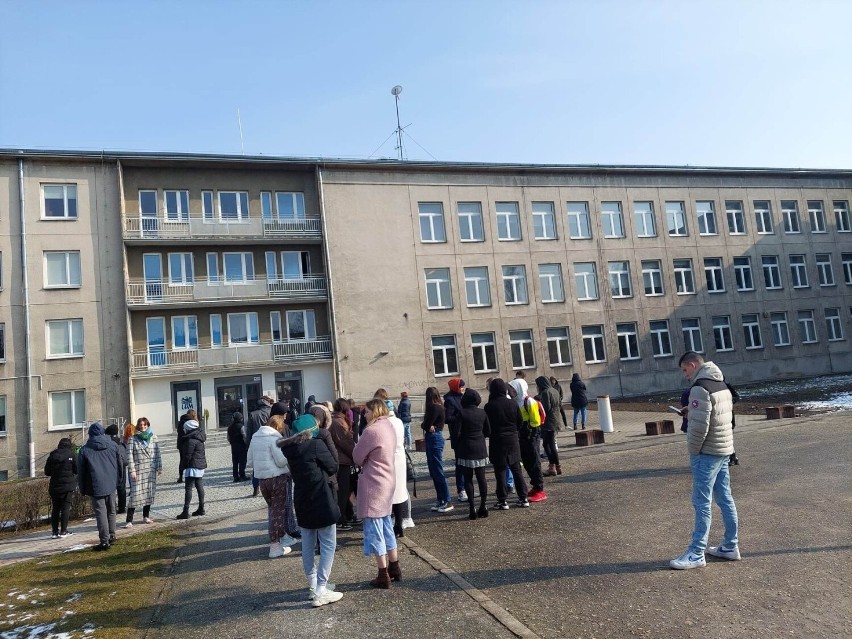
{"type": "Point", "coordinates": [152, 266]}
{"type": "Point", "coordinates": [288, 385]}
{"type": "Point", "coordinates": [186, 396]}
{"type": "Point", "coordinates": [229, 400]}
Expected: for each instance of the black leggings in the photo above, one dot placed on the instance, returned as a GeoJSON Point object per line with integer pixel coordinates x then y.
{"type": "Point", "coordinates": [344, 489]}
{"type": "Point", "coordinates": [198, 482]}
{"type": "Point", "coordinates": [60, 510]}
{"type": "Point", "coordinates": [549, 441]}
{"type": "Point", "coordinates": [468, 485]}
{"type": "Point", "coordinates": [146, 511]}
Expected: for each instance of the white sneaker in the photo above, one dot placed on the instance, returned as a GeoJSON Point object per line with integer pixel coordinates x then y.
{"type": "Point", "coordinates": [326, 597]}
{"type": "Point", "coordinates": [129, 524]}
{"type": "Point", "coordinates": [287, 540]}
{"type": "Point", "coordinates": [445, 508]}
{"type": "Point", "coordinates": [408, 522]}
{"type": "Point", "coordinates": [312, 593]}
{"type": "Point", "coordinates": [148, 520]}
{"type": "Point", "coordinates": [462, 497]}
{"type": "Point", "coordinates": [277, 550]}
{"type": "Point", "coordinates": [688, 560]}
{"type": "Point", "coordinates": [723, 552]}
{"type": "Point", "coordinates": [434, 507]}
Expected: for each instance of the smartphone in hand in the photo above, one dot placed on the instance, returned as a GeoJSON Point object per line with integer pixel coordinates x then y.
{"type": "Point", "coordinates": [675, 410]}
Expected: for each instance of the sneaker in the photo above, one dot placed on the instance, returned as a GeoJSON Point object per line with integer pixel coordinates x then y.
{"type": "Point", "coordinates": [112, 540]}
{"type": "Point", "coordinates": [537, 494]}
{"type": "Point", "coordinates": [446, 507]}
{"type": "Point", "coordinates": [522, 503]}
{"type": "Point", "coordinates": [199, 513]}
{"type": "Point", "coordinates": [129, 524]}
{"type": "Point", "coordinates": [327, 597]}
{"type": "Point", "coordinates": [100, 547]}
{"type": "Point", "coordinates": [147, 520]}
{"type": "Point", "coordinates": [277, 550]}
{"type": "Point", "coordinates": [407, 522]}
{"type": "Point", "coordinates": [312, 594]}
{"type": "Point", "coordinates": [723, 552]}
{"type": "Point", "coordinates": [356, 522]}
{"type": "Point", "coordinates": [65, 534]}
{"type": "Point", "coordinates": [462, 497]}
{"type": "Point", "coordinates": [343, 527]}
{"type": "Point", "coordinates": [688, 560]}
{"type": "Point", "coordinates": [183, 515]}
{"type": "Point", "coordinates": [434, 507]}
{"type": "Point", "coordinates": [501, 505]}
{"type": "Point", "coordinates": [287, 540]}
{"type": "Point", "coordinates": [55, 536]}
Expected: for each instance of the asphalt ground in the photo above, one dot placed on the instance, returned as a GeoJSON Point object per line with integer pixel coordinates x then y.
{"type": "Point", "coordinates": [591, 561]}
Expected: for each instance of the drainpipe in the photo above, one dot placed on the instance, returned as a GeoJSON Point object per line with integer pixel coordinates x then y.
{"type": "Point", "coordinates": [26, 284]}
{"type": "Point", "coordinates": [338, 374]}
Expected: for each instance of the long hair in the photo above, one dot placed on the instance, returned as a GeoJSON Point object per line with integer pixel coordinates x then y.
{"type": "Point", "coordinates": [277, 422]}
{"type": "Point", "coordinates": [341, 407]}
{"type": "Point", "coordinates": [433, 396]}
{"type": "Point", "coordinates": [377, 408]}
{"type": "Point", "coordinates": [380, 394]}
{"type": "Point", "coordinates": [141, 424]}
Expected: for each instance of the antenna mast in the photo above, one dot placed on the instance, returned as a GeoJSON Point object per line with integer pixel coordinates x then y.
{"type": "Point", "coordinates": [395, 93]}
{"type": "Point", "coordinates": [240, 124]}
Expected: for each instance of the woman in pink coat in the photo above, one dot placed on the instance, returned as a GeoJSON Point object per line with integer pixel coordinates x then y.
{"type": "Point", "coordinates": [374, 453]}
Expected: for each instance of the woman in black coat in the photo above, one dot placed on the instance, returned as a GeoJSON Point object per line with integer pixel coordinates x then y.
{"type": "Point", "coordinates": [61, 467]}
{"type": "Point", "coordinates": [236, 438]}
{"type": "Point", "coordinates": [579, 400]}
{"type": "Point", "coordinates": [471, 452]}
{"type": "Point", "coordinates": [194, 460]}
{"type": "Point", "coordinates": [504, 418]}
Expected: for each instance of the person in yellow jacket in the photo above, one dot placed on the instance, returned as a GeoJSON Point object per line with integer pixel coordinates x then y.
{"type": "Point", "coordinates": [529, 435]}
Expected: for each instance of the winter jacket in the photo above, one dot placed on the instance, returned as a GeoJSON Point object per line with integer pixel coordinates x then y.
{"type": "Point", "coordinates": [181, 433]}
{"type": "Point", "coordinates": [144, 460]}
{"type": "Point", "coordinates": [400, 468]}
{"type": "Point", "coordinates": [434, 416]}
{"type": "Point", "coordinates": [61, 467]}
{"type": "Point", "coordinates": [578, 392]}
{"type": "Point", "coordinates": [711, 411]}
{"type": "Point", "coordinates": [474, 428]}
{"type": "Point", "coordinates": [311, 465]}
{"type": "Point", "coordinates": [341, 435]}
{"type": "Point", "coordinates": [99, 464]}
{"type": "Point", "coordinates": [264, 456]}
{"type": "Point", "coordinates": [192, 454]}
{"type": "Point", "coordinates": [374, 452]}
{"type": "Point", "coordinates": [452, 414]}
{"type": "Point", "coordinates": [122, 448]}
{"type": "Point", "coordinates": [549, 398]}
{"type": "Point", "coordinates": [312, 399]}
{"type": "Point", "coordinates": [325, 437]}
{"type": "Point", "coordinates": [257, 418]}
{"type": "Point", "coordinates": [504, 419]}
{"type": "Point", "coordinates": [236, 433]}
{"type": "Point", "coordinates": [403, 411]}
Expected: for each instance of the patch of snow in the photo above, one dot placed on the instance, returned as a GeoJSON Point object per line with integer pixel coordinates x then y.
{"type": "Point", "coordinates": [842, 401]}
{"type": "Point", "coordinates": [73, 597]}
{"type": "Point", "coordinates": [75, 548]}
{"type": "Point", "coordinates": [88, 629]}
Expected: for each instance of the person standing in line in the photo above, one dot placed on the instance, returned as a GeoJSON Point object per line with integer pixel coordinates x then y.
{"type": "Point", "coordinates": [323, 417]}
{"type": "Point", "coordinates": [312, 399]}
{"type": "Point", "coordinates": [121, 507]}
{"type": "Point", "coordinates": [579, 400]}
{"type": "Point", "coordinates": [433, 434]}
{"type": "Point", "coordinates": [403, 411]}
{"type": "Point", "coordinates": [472, 451]}
{"type": "Point", "coordinates": [61, 467]}
{"type": "Point", "coordinates": [452, 410]}
{"type": "Point", "coordinates": [237, 441]}
{"type": "Point", "coordinates": [710, 441]}
{"type": "Point", "coordinates": [341, 434]}
{"type": "Point", "coordinates": [257, 418]}
{"type": "Point", "coordinates": [144, 465]}
{"type": "Point", "coordinates": [549, 398]}
{"type": "Point", "coordinates": [374, 452]}
{"type": "Point", "coordinates": [529, 437]}
{"type": "Point", "coordinates": [181, 434]}
{"type": "Point", "coordinates": [401, 502]}
{"type": "Point", "coordinates": [194, 461]}
{"type": "Point", "coordinates": [555, 383]}
{"type": "Point", "coordinates": [311, 465]}
{"type": "Point", "coordinates": [504, 419]}
{"type": "Point", "coordinates": [99, 463]}
{"type": "Point", "coordinates": [510, 480]}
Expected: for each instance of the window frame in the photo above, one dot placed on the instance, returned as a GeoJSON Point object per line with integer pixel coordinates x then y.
{"type": "Point", "coordinates": [723, 336]}
{"type": "Point", "coordinates": [477, 282]}
{"type": "Point", "coordinates": [514, 280]}
{"type": "Point", "coordinates": [684, 274]}
{"type": "Point", "coordinates": [643, 218]}
{"type": "Point", "coordinates": [777, 325]}
{"type": "Point", "coordinates": [689, 344]}
{"type": "Point", "coordinates": [770, 270]}
{"type": "Point", "coordinates": [656, 333]}
{"type": "Point", "coordinates": [764, 224]}
{"type": "Point", "coordinates": [186, 268]}
{"type": "Point", "coordinates": [619, 280]}
{"type": "Point", "coordinates": [437, 232]}
{"type": "Point", "coordinates": [798, 271]}
{"type": "Point", "coordinates": [444, 349]}
{"type": "Point", "coordinates": [706, 218]}
{"type": "Point", "coordinates": [542, 219]}
{"type": "Point", "coordinates": [181, 197]}
{"type": "Point", "coordinates": [67, 214]}
{"type": "Point", "coordinates": [578, 220]}
{"type": "Point", "coordinates": [244, 262]}
{"type": "Point", "coordinates": [472, 218]}
{"type": "Point", "coordinates": [241, 198]}
{"type": "Point", "coordinates": [297, 199]}
{"type": "Point", "coordinates": [190, 331]}
{"type": "Point", "coordinates": [511, 219]}
{"type": "Point", "coordinates": [525, 346]}
{"type": "Point", "coordinates": [586, 278]}
{"type": "Point", "coordinates": [549, 279]}
{"type": "Point", "coordinates": [714, 275]}
{"type": "Point", "coordinates": [485, 348]}
{"type": "Point", "coordinates": [790, 216]}
{"type": "Point", "coordinates": [69, 324]}
{"type": "Point", "coordinates": [842, 222]}
{"type": "Point", "coordinates": [68, 261]}
{"type": "Point", "coordinates": [825, 270]}
{"type": "Point", "coordinates": [251, 340]}
{"type": "Point", "coordinates": [833, 324]}
{"type": "Point", "coordinates": [735, 215]}
{"type": "Point", "coordinates": [816, 215]}
{"type": "Point", "coordinates": [557, 342]}
{"type": "Point", "coordinates": [806, 323]}
{"type": "Point", "coordinates": [4, 405]}
{"type": "Point", "coordinates": [652, 270]}
{"type": "Point", "coordinates": [594, 340]}
{"type": "Point", "coordinates": [2, 342]}
{"type": "Point", "coordinates": [78, 421]}
{"type": "Point", "coordinates": [846, 267]}
{"type": "Point", "coordinates": [309, 323]}
{"type": "Point", "coordinates": [438, 286]}
{"type": "Point", "coordinates": [627, 334]}
{"type": "Point", "coordinates": [672, 217]}
{"type": "Point", "coordinates": [751, 331]}
{"type": "Point", "coordinates": [216, 319]}
{"type": "Point", "coordinates": [743, 272]}
{"type": "Point", "coordinates": [612, 220]}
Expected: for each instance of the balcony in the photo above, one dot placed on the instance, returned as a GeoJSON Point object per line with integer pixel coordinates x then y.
{"type": "Point", "coordinates": [198, 227]}
{"type": "Point", "coordinates": [171, 362]}
{"type": "Point", "coordinates": [218, 290]}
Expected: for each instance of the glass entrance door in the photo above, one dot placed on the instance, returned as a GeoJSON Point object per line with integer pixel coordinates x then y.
{"type": "Point", "coordinates": [229, 400]}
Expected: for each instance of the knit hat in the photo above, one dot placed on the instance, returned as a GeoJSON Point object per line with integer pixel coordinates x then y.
{"type": "Point", "coordinates": [305, 422]}
{"type": "Point", "coordinates": [456, 384]}
{"type": "Point", "coordinates": [96, 429]}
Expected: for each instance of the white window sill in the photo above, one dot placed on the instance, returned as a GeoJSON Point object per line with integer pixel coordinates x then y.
{"type": "Point", "coordinates": [74, 356]}
{"type": "Point", "coordinates": [62, 427]}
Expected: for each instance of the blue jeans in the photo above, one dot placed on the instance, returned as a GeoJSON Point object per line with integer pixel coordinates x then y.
{"type": "Point", "coordinates": [328, 542]}
{"type": "Point", "coordinates": [582, 412]}
{"type": "Point", "coordinates": [435, 462]}
{"type": "Point", "coordinates": [407, 438]}
{"type": "Point", "coordinates": [711, 478]}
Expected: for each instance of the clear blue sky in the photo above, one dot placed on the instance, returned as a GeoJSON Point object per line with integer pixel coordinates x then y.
{"type": "Point", "coordinates": [744, 83]}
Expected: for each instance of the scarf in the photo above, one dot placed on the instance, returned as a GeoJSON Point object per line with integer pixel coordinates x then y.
{"type": "Point", "coordinates": [145, 437]}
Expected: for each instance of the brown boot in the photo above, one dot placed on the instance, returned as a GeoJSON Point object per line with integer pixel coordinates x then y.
{"type": "Point", "coordinates": [394, 571]}
{"type": "Point", "coordinates": [551, 470]}
{"type": "Point", "coordinates": [558, 469]}
{"type": "Point", "coordinates": [382, 580]}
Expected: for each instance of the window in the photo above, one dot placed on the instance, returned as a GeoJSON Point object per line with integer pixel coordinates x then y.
{"type": "Point", "coordinates": [593, 344]}
{"type": "Point", "coordinates": [484, 352]}
{"type": "Point", "coordinates": [271, 265]}
{"type": "Point", "coordinates": [780, 329]}
{"type": "Point", "coordinates": [431, 222]}
{"type": "Point", "coordinates": [675, 218]}
{"type": "Point", "coordinates": [176, 205]}
{"type": "Point", "coordinates": [706, 218]}
{"type": "Point", "coordinates": [275, 326]}
{"type": "Point", "coordinates": [691, 329]}
{"type": "Point", "coordinates": [184, 332]}
{"type": "Point", "coordinates": [714, 275]}
{"type": "Point", "coordinates": [438, 293]}
{"type": "Point", "coordinates": [156, 335]}
{"type": "Point", "coordinates": [628, 341]}
{"type": "Point", "coordinates": [476, 286]}
{"type": "Point", "coordinates": [2, 342]}
{"type": "Point", "coordinates": [833, 327]}
{"type": "Point", "coordinates": [771, 271]}
{"type": "Point", "coordinates": [586, 281]}
{"type": "Point", "coordinates": [212, 268]}
{"type": "Point", "coordinates": [742, 272]}
{"type": "Point", "coordinates": [148, 204]}
{"type": "Point", "coordinates": [508, 221]}
{"type": "Point", "coordinates": [798, 271]}
{"type": "Point", "coordinates": [290, 205]}
{"type": "Point", "coordinates": [559, 346]}
{"type": "Point", "coordinates": [180, 269]}
{"type": "Point", "coordinates": [239, 267]}
{"type": "Point", "coordinates": [846, 264]}
{"type": "Point", "coordinates": [207, 205]}
{"type": "Point", "coordinates": [62, 269]}
{"type": "Point", "coordinates": [266, 205]}
{"type": "Point", "coordinates": [295, 264]}
{"type": "Point", "coordinates": [763, 217]}
{"type": "Point", "coordinates": [515, 284]}
{"type": "Point", "coordinates": [444, 355]}
{"type": "Point", "coordinates": [824, 270]}
{"type": "Point", "coordinates": [790, 214]}
{"type": "Point", "coordinates": [544, 221]}
{"type": "Point", "coordinates": [643, 219]}
{"type": "Point", "coordinates": [242, 329]}
{"type": "Point", "coordinates": [684, 280]}
{"type": "Point", "coordinates": [612, 219]}
{"type": "Point", "coordinates": [751, 331]}
{"type": "Point", "coordinates": [816, 213]}
{"type": "Point", "coordinates": [661, 341]}
{"type": "Point", "coordinates": [67, 409]}
{"type": "Point", "coordinates": [807, 327]}
{"type": "Point", "coordinates": [301, 325]}
{"type": "Point", "coordinates": [722, 333]}
{"type": "Point", "coordinates": [65, 338]}
{"type": "Point", "coordinates": [550, 279]}
{"type": "Point", "coordinates": [60, 201]}
{"type": "Point", "coordinates": [470, 222]}
{"type": "Point", "coordinates": [619, 279]}
{"type": "Point", "coordinates": [652, 277]}
{"type": "Point", "coordinates": [841, 216]}
{"type": "Point", "coordinates": [736, 217]}
{"type": "Point", "coordinates": [521, 344]}
{"type": "Point", "coordinates": [233, 205]}
{"type": "Point", "coordinates": [2, 415]}
{"type": "Point", "coordinates": [579, 224]}
{"type": "Point", "coordinates": [215, 330]}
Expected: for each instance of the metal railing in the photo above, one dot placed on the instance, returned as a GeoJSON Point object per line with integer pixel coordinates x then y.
{"type": "Point", "coordinates": [140, 292]}
{"type": "Point", "coordinates": [198, 226]}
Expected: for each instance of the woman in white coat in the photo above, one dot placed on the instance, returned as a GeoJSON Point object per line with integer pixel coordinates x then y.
{"type": "Point", "coordinates": [401, 501]}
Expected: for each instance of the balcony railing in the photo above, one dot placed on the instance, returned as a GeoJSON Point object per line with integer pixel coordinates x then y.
{"type": "Point", "coordinates": [200, 227]}
{"type": "Point", "coordinates": [166, 362]}
{"type": "Point", "coordinates": [142, 293]}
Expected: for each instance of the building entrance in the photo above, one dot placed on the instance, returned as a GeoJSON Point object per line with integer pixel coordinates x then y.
{"type": "Point", "coordinates": [236, 394]}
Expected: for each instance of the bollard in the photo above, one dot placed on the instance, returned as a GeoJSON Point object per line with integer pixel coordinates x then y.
{"type": "Point", "coordinates": [605, 414]}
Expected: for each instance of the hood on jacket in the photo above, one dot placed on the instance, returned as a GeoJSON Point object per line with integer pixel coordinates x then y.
{"type": "Point", "coordinates": [321, 414]}
{"type": "Point", "coordinates": [298, 438]}
{"type": "Point", "coordinates": [708, 370]}
{"type": "Point", "coordinates": [96, 429]}
{"type": "Point", "coordinates": [190, 424]}
{"type": "Point", "coordinates": [456, 385]}
{"type": "Point", "coordinates": [312, 398]}
{"type": "Point", "coordinates": [65, 442]}
{"type": "Point", "coordinates": [542, 383]}
{"type": "Point", "coordinates": [238, 418]}
{"type": "Point", "coordinates": [98, 439]}
{"type": "Point", "coordinates": [497, 388]}
{"type": "Point", "coordinates": [520, 387]}
{"type": "Point", "coordinates": [470, 398]}
{"type": "Point", "coordinates": [575, 377]}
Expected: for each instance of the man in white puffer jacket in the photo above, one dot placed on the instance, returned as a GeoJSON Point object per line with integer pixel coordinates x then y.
{"type": "Point", "coordinates": [710, 440]}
